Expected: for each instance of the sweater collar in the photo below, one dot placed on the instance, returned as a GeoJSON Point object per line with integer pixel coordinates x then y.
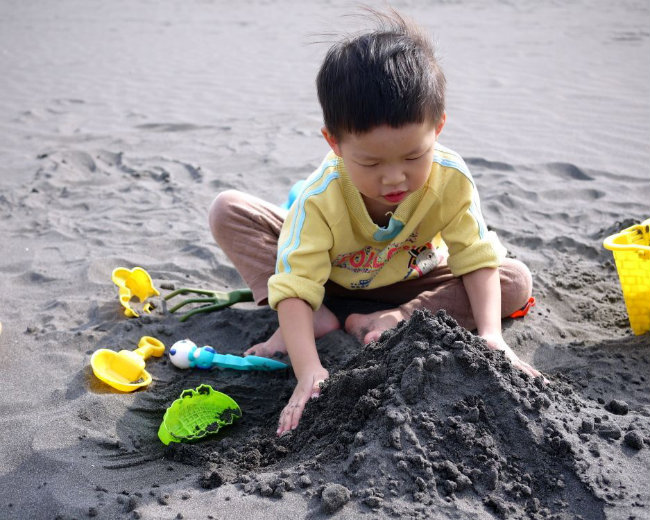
{"type": "Point", "coordinates": [402, 213]}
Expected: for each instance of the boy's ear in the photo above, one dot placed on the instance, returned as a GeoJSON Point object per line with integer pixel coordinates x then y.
{"type": "Point", "coordinates": [441, 123]}
{"type": "Point", "coordinates": [331, 140]}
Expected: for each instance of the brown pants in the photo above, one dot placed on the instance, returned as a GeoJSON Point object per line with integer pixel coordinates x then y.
{"type": "Point", "coordinates": [247, 230]}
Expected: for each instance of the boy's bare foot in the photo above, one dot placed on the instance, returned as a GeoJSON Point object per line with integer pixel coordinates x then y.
{"type": "Point", "coordinates": [368, 327]}
{"type": "Point", "coordinates": [324, 321]}
{"type": "Point", "coordinates": [272, 346]}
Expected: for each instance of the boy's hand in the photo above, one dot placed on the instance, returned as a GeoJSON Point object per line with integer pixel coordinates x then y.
{"type": "Point", "coordinates": [496, 342]}
{"type": "Point", "coordinates": [483, 288]}
{"type": "Point", "coordinates": [308, 387]}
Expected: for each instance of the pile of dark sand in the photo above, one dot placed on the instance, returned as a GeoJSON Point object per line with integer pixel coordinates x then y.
{"type": "Point", "coordinates": [429, 420]}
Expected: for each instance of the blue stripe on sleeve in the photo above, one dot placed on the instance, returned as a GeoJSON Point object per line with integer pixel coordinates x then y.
{"type": "Point", "coordinates": [293, 241]}
{"type": "Point", "coordinates": [475, 206]}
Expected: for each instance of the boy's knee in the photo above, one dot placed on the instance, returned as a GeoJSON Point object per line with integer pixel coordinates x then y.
{"type": "Point", "coordinates": [221, 209]}
{"type": "Point", "coordinates": [525, 279]}
{"type": "Point", "coordinates": [517, 285]}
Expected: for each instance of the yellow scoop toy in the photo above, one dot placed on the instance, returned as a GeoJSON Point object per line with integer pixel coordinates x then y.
{"type": "Point", "coordinates": [124, 370]}
{"type": "Point", "coordinates": [133, 282]}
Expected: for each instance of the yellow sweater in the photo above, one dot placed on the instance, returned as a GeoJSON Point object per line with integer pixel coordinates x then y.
{"type": "Point", "coordinates": [328, 234]}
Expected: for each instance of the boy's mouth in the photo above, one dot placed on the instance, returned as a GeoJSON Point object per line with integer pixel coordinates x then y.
{"type": "Point", "coordinates": [395, 197]}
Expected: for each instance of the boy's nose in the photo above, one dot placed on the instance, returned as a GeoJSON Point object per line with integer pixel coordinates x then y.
{"type": "Point", "coordinates": [393, 177]}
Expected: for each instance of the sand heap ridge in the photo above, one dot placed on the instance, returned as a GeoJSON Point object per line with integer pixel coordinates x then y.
{"type": "Point", "coordinates": [428, 418]}
{"type": "Point", "coordinates": [428, 414]}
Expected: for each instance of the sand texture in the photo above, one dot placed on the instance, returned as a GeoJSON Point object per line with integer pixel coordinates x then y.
{"type": "Point", "coordinates": [120, 123]}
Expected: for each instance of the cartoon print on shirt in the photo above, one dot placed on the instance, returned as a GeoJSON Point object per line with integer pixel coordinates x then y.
{"type": "Point", "coordinates": [371, 259]}
{"type": "Point", "coordinates": [361, 284]}
{"type": "Point", "coordinates": [422, 260]}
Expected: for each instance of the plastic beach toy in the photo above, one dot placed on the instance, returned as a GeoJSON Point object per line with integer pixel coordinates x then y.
{"type": "Point", "coordinates": [197, 413]}
{"type": "Point", "coordinates": [631, 249]}
{"type": "Point", "coordinates": [124, 370]}
{"type": "Point", "coordinates": [210, 300]}
{"type": "Point", "coordinates": [133, 282]}
{"type": "Point", "coordinates": [185, 354]}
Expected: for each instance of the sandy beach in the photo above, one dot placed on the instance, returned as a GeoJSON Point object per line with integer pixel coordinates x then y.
{"type": "Point", "coordinates": [120, 123]}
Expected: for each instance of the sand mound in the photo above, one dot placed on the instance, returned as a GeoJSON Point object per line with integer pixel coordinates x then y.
{"type": "Point", "coordinates": [428, 417]}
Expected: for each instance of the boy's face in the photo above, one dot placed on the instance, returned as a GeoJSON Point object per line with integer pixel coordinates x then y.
{"type": "Point", "coordinates": [387, 164]}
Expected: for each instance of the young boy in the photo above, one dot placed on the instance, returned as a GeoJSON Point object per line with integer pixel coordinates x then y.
{"type": "Point", "coordinates": [390, 215]}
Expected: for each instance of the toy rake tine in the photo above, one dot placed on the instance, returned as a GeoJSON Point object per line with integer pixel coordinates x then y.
{"type": "Point", "coordinates": [211, 300]}
{"type": "Point", "coordinates": [228, 298]}
{"type": "Point", "coordinates": [190, 300]}
{"type": "Point", "coordinates": [188, 290]}
{"type": "Point", "coordinates": [204, 308]}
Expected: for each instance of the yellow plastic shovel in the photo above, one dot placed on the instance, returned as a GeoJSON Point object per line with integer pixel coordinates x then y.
{"type": "Point", "coordinates": [124, 370]}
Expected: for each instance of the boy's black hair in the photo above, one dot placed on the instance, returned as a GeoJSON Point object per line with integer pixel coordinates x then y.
{"type": "Point", "coordinates": [389, 76]}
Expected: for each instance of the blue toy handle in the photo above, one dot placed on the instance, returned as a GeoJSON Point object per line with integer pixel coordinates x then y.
{"type": "Point", "coordinates": [246, 363]}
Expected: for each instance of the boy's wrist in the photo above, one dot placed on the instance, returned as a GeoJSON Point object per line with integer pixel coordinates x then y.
{"type": "Point", "coordinates": [308, 371]}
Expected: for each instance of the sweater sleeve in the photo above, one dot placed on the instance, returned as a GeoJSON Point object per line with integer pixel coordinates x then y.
{"type": "Point", "coordinates": [303, 263]}
{"type": "Point", "coordinates": [470, 245]}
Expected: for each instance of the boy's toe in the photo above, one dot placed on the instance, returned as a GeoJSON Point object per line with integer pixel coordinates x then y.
{"type": "Point", "coordinates": [373, 335]}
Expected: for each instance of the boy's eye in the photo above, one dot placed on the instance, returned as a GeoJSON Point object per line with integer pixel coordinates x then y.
{"type": "Point", "coordinates": [368, 165]}
{"type": "Point", "coordinates": [416, 157]}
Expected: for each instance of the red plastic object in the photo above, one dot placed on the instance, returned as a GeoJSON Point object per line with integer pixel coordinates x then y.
{"type": "Point", "coordinates": [524, 310]}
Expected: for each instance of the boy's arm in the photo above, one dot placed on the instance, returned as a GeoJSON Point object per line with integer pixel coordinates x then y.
{"type": "Point", "coordinates": [483, 288]}
{"type": "Point", "coordinates": [297, 327]}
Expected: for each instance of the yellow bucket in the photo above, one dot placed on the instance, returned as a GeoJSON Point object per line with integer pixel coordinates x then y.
{"type": "Point", "coordinates": [631, 249]}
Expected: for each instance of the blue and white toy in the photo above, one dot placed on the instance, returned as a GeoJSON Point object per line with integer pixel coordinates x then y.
{"type": "Point", "coordinates": [185, 354]}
